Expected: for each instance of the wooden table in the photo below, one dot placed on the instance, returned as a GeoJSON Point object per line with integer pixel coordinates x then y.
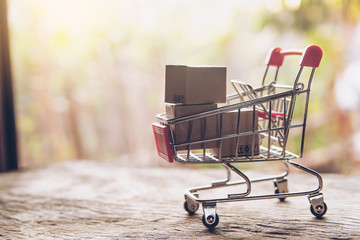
{"type": "Point", "coordinates": [91, 200]}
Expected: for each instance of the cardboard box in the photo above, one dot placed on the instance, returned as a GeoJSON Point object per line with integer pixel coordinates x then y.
{"type": "Point", "coordinates": [181, 110]}
{"type": "Point", "coordinates": [181, 130]}
{"type": "Point", "coordinates": [195, 84]}
{"type": "Point", "coordinates": [229, 126]}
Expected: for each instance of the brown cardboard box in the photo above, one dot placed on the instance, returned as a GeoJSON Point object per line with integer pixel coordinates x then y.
{"type": "Point", "coordinates": [229, 126]}
{"type": "Point", "coordinates": [181, 130]}
{"type": "Point", "coordinates": [195, 84]}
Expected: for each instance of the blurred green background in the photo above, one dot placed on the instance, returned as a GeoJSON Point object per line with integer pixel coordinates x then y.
{"type": "Point", "coordinates": [89, 75]}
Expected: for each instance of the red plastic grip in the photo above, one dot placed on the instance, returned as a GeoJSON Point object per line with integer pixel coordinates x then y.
{"type": "Point", "coordinates": [275, 58]}
{"type": "Point", "coordinates": [162, 139]}
{"type": "Point", "coordinates": [311, 56]}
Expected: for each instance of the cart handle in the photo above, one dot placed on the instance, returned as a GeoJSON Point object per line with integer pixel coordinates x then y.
{"type": "Point", "coordinates": [311, 56]}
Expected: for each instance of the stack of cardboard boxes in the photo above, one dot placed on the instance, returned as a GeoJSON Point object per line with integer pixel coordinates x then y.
{"type": "Point", "coordinates": [194, 89]}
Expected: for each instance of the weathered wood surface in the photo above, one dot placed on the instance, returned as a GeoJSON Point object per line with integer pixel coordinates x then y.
{"type": "Point", "coordinates": [89, 200]}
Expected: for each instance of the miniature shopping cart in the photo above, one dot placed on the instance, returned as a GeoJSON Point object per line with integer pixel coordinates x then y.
{"type": "Point", "coordinates": [272, 112]}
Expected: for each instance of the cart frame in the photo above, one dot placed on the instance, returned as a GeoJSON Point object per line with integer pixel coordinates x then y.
{"type": "Point", "coordinates": [274, 111]}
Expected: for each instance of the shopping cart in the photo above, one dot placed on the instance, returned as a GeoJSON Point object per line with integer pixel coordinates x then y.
{"type": "Point", "coordinates": [271, 111]}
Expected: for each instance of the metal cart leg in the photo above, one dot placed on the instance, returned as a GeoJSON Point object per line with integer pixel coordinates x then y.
{"type": "Point", "coordinates": [192, 195]}
{"type": "Point", "coordinates": [225, 181]}
{"type": "Point", "coordinates": [317, 205]}
{"type": "Point", "coordinates": [312, 172]}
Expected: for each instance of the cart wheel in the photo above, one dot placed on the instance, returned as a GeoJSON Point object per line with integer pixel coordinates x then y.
{"type": "Point", "coordinates": [281, 199]}
{"type": "Point", "coordinates": [281, 141]}
{"type": "Point", "coordinates": [319, 211]}
{"type": "Point", "coordinates": [211, 221]}
{"type": "Point", "coordinates": [281, 186]}
{"type": "Point", "coordinates": [192, 209]}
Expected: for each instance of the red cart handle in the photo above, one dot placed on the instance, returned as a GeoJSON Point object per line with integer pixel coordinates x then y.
{"type": "Point", "coordinates": [311, 56]}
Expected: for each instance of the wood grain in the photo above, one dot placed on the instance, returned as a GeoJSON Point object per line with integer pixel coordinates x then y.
{"type": "Point", "coordinates": [91, 200]}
